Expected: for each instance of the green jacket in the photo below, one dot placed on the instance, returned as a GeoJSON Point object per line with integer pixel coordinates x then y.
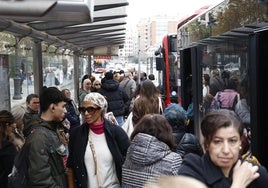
{"type": "Point", "coordinates": [45, 161]}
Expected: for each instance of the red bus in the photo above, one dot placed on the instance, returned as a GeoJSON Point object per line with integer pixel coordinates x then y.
{"type": "Point", "coordinates": [167, 62]}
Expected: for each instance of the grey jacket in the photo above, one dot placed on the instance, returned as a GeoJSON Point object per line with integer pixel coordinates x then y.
{"type": "Point", "coordinates": [147, 158]}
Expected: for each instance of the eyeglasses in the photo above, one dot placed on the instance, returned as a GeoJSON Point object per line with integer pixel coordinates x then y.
{"type": "Point", "coordinates": [90, 109]}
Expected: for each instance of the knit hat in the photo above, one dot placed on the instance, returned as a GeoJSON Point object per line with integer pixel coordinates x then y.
{"type": "Point", "coordinates": [176, 116]}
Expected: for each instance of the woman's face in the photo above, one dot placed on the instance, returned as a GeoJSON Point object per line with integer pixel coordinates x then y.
{"type": "Point", "coordinates": [10, 127]}
{"type": "Point", "coordinates": [87, 86]}
{"type": "Point", "coordinates": [97, 85]}
{"type": "Point", "coordinates": [19, 123]}
{"type": "Point", "coordinates": [91, 113]}
{"type": "Point", "coordinates": [67, 94]}
{"type": "Point", "coordinates": [224, 148]}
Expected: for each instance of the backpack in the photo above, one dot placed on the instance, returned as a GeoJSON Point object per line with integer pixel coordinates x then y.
{"type": "Point", "coordinates": [18, 178]}
{"type": "Point", "coordinates": [225, 100]}
{"type": "Point", "coordinates": [216, 104]}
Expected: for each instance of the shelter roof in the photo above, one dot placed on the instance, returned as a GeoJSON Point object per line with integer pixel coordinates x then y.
{"type": "Point", "coordinates": [78, 25]}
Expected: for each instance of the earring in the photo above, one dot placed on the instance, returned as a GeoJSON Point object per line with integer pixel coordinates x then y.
{"type": "Point", "coordinates": [240, 147]}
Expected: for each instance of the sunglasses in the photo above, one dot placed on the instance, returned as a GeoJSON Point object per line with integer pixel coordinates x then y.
{"type": "Point", "coordinates": [90, 109]}
{"type": "Point", "coordinates": [97, 84]}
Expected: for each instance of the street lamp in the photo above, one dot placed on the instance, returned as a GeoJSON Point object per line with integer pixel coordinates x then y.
{"type": "Point", "coordinates": [17, 78]}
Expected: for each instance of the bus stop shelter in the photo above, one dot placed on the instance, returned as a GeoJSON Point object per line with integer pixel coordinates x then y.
{"type": "Point", "coordinates": [83, 27]}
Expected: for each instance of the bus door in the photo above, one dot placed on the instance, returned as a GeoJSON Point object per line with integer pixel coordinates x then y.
{"type": "Point", "coordinates": [191, 85]}
{"type": "Point", "coordinates": [258, 58]}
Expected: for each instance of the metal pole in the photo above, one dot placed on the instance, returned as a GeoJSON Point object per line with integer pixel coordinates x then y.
{"type": "Point", "coordinates": [76, 76]}
{"type": "Point", "coordinates": [38, 66]}
{"type": "Point", "coordinates": [17, 78]}
{"type": "Point", "coordinates": [139, 59]}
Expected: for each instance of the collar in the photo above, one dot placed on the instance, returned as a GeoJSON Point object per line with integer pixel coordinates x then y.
{"type": "Point", "coordinates": [213, 173]}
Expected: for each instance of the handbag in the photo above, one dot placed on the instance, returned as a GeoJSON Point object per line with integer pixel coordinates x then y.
{"type": "Point", "coordinates": [128, 125]}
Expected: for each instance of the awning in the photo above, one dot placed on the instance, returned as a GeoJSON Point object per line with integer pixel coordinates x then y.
{"type": "Point", "coordinates": [78, 25]}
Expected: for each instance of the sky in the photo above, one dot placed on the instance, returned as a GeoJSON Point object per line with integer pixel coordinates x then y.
{"type": "Point", "coordinates": [138, 9]}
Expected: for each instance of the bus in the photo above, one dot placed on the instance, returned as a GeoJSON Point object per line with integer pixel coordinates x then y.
{"type": "Point", "coordinates": [198, 48]}
{"type": "Point", "coordinates": [167, 63]}
{"type": "Point", "coordinates": [239, 52]}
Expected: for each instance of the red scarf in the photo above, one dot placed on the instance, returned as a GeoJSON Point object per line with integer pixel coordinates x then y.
{"type": "Point", "coordinates": [97, 128]}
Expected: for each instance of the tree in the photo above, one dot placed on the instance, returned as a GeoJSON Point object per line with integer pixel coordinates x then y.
{"type": "Point", "coordinates": [237, 14]}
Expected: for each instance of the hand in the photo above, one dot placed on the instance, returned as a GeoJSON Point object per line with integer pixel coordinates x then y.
{"type": "Point", "coordinates": [244, 173]}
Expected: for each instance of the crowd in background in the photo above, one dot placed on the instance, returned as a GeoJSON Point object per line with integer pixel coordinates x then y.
{"type": "Point", "coordinates": [120, 134]}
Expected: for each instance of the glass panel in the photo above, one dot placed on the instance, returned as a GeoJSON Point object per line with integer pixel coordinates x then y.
{"type": "Point", "coordinates": [223, 66]}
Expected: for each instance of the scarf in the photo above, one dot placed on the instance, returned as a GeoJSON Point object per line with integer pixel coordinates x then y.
{"type": "Point", "coordinates": [97, 128]}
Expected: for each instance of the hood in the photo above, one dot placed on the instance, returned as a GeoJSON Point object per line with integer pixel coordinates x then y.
{"type": "Point", "coordinates": [110, 85]}
{"type": "Point", "coordinates": [146, 149]}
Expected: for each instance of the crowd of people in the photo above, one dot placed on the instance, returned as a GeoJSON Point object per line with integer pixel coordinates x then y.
{"type": "Point", "coordinates": [85, 143]}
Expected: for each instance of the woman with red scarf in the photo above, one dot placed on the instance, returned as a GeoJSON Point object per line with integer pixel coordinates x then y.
{"type": "Point", "coordinates": [97, 149]}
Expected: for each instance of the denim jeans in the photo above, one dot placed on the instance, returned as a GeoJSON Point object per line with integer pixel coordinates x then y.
{"type": "Point", "coordinates": [120, 120]}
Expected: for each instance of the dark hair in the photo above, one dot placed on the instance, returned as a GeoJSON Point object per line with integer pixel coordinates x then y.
{"type": "Point", "coordinates": [30, 97]}
{"type": "Point", "coordinates": [63, 91]}
{"type": "Point", "coordinates": [148, 89]}
{"type": "Point", "coordinates": [109, 75]}
{"type": "Point", "coordinates": [217, 119]}
{"type": "Point", "coordinates": [147, 102]}
{"type": "Point", "coordinates": [50, 95]}
{"type": "Point", "coordinates": [155, 125]}
{"type": "Point", "coordinates": [207, 79]}
{"type": "Point", "coordinates": [232, 83]}
{"type": "Point", "coordinates": [151, 77]}
{"type": "Point", "coordinates": [6, 117]}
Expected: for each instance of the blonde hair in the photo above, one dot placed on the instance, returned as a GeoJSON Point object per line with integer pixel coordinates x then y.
{"type": "Point", "coordinates": [18, 112]}
{"type": "Point", "coordinates": [175, 181]}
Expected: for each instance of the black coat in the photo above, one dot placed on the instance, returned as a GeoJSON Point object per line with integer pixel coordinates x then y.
{"type": "Point", "coordinates": [187, 143]}
{"type": "Point", "coordinates": [117, 141]}
{"type": "Point", "coordinates": [204, 170]}
{"type": "Point", "coordinates": [117, 98]}
{"type": "Point", "coordinates": [71, 115]}
{"type": "Point", "coordinates": [7, 156]}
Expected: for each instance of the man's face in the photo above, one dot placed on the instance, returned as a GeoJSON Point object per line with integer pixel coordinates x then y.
{"type": "Point", "coordinates": [34, 104]}
{"type": "Point", "coordinates": [59, 111]}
